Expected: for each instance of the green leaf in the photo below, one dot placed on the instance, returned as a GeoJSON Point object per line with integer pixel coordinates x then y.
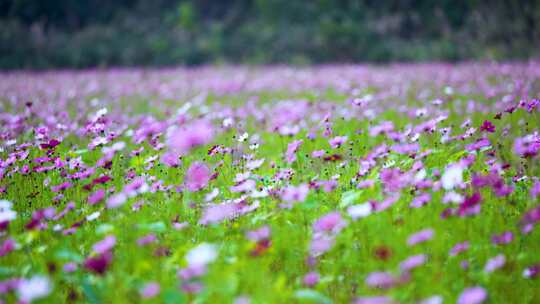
{"type": "Point", "coordinates": [173, 296]}
{"type": "Point", "coordinates": [311, 296]}
{"type": "Point", "coordinates": [154, 227]}
{"type": "Point", "coordinates": [90, 292]}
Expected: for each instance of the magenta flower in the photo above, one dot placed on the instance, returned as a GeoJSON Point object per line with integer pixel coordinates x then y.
{"type": "Point", "coordinates": [487, 126]}
{"type": "Point", "coordinates": [99, 263]}
{"type": "Point", "coordinates": [197, 176]}
{"type": "Point", "coordinates": [7, 246]}
{"type": "Point", "coordinates": [96, 197]}
{"type": "Point", "coordinates": [473, 295]}
{"type": "Point", "coordinates": [531, 272]}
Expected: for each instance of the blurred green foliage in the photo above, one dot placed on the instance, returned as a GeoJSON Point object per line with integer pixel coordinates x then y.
{"type": "Point", "coordinates": [67, 33]}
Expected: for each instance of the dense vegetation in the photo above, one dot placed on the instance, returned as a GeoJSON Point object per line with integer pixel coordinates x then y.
{"type": "Point", "coordinates": [335, 184]}
{"type": "Point", "coordinates": [65, 33]}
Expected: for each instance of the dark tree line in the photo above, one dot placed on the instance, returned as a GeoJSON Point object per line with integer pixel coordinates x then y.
{"type": "Point", "coordinates": [68, 33]}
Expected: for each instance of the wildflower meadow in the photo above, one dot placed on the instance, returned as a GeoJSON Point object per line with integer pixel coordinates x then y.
{"type": "Point", "coordinates": [402, 183]}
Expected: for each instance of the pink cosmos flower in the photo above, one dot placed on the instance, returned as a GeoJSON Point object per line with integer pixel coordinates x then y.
{"type": "Point", "coordinates": [182, 139]}
{"type": "Point", "coordinates": [393, 180]}
{"type": "Point", "coordinates": [473, 295]}
{"type": "Point", "coordinates": [197, 176]}
{"type": "Point", "coordinates": [420, 236]}
{"type": "Point", "coordinates": [260, 234]}
{"type": "Point", "coordinates": [495, 263]}
{"type": "Point", "coordinates": [104, 245]}
{"type": "Point", "coordinates": [503, 238]}
{"type": "Point", "coordinates": [337, 141]}
{"type": "Point", "coordinates": [413, 262]}
{"type": "Point", "coordinates": [293, 194]}
{"type": "Point", "coordinates": [381, 279]}
{"type": "Point", "coordinates": [7, 246]}
{"type": "Point", "coordinates": [374, 300]}
{"type": "Point", "coordinates": [292, 148]}
{"type": "Point", "coordinates": [217, 213]}
{"type": "Point", "coordinates": [458, 248]}
{"type": "Point", "coordinates": [329, 223]}
{"type": "Point", "coordinates": [311, 279]}
{"type": "Point", "coordinates": [150, 290]}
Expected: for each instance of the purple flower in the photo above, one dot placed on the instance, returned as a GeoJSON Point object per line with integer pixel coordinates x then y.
{"type": "Point", "coordinates": [420, 236]}
{"type": "Point", "coordinates": [311, 279]}
{"type": "Point", "coordinates": [503, 238]}
{"type": "Point", "coordinates": [99, 263]}
{"type": "Point", "coordinates": [147, 239]}
{"type": "Point", "coordinates": [337, 141]}
{"type": "Point", "coordinates": [217, 213]}
{"type": "Point", "coordinates": [292, 148]}
{"type": "Point", "coordinates": [70, 267]}
{"type": "Point", "coordinates": [473, 295]}
{"type": "Point", "coordinates": [421, 200]}
{"type": "Point", "coordinates": [527, 146]}
{"type": "Point", "coordinates": [392, 179]}
{"type": "Point", "coordinates": [321, 244]}
{"type": "Point", "coordinates": [487, 126]}
{"type": "Point", "coordinates": [374, 300]}
{"type": "Point", "coordinates": [150, 290]}
{"type": "Point", "coordinates": [381, 279]}
{"type": "Point", "coordinates": [116, 200]}
{"type": "Point", "coordinates": [104, 245]}
{"type": "Point", "coordinates": [531, 272]}
{"type": "Point", "coordinates": [413, 262]}
{"type": "Point", "coordinates": [197, 176]}
{"type": "Point", "coordinates": [170, 159]}
{"type": "Point", "coordinates": [495, 263]}
{"type": "Point", "coordinates": [260, 234]}
{"type": "Point", "coordinates": [329, 223]}
{"type": "Point", "coordinates": [293, 194]}
{"type": "Point", "coordinates": [535, 189]}
{"type": "Point", "coordinates": [458, 248]}
{"type": "Point", "coordinates": [96, 197]}
{"type": "Point", "coordinates": [7, 246]}
{"type": "Point", "coordinates": [182, 139]}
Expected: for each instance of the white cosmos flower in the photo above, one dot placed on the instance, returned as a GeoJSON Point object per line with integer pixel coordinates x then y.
{"type": "Point", "coordinates": [452, 177]}
{"type": "Point", "coordinates": [202, 254]}
{"type": "Point", "coordinates": [34, 288]}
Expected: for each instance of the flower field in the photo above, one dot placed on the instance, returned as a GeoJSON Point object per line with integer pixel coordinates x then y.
{"type": "Point", "coordinates": [410, 183]}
